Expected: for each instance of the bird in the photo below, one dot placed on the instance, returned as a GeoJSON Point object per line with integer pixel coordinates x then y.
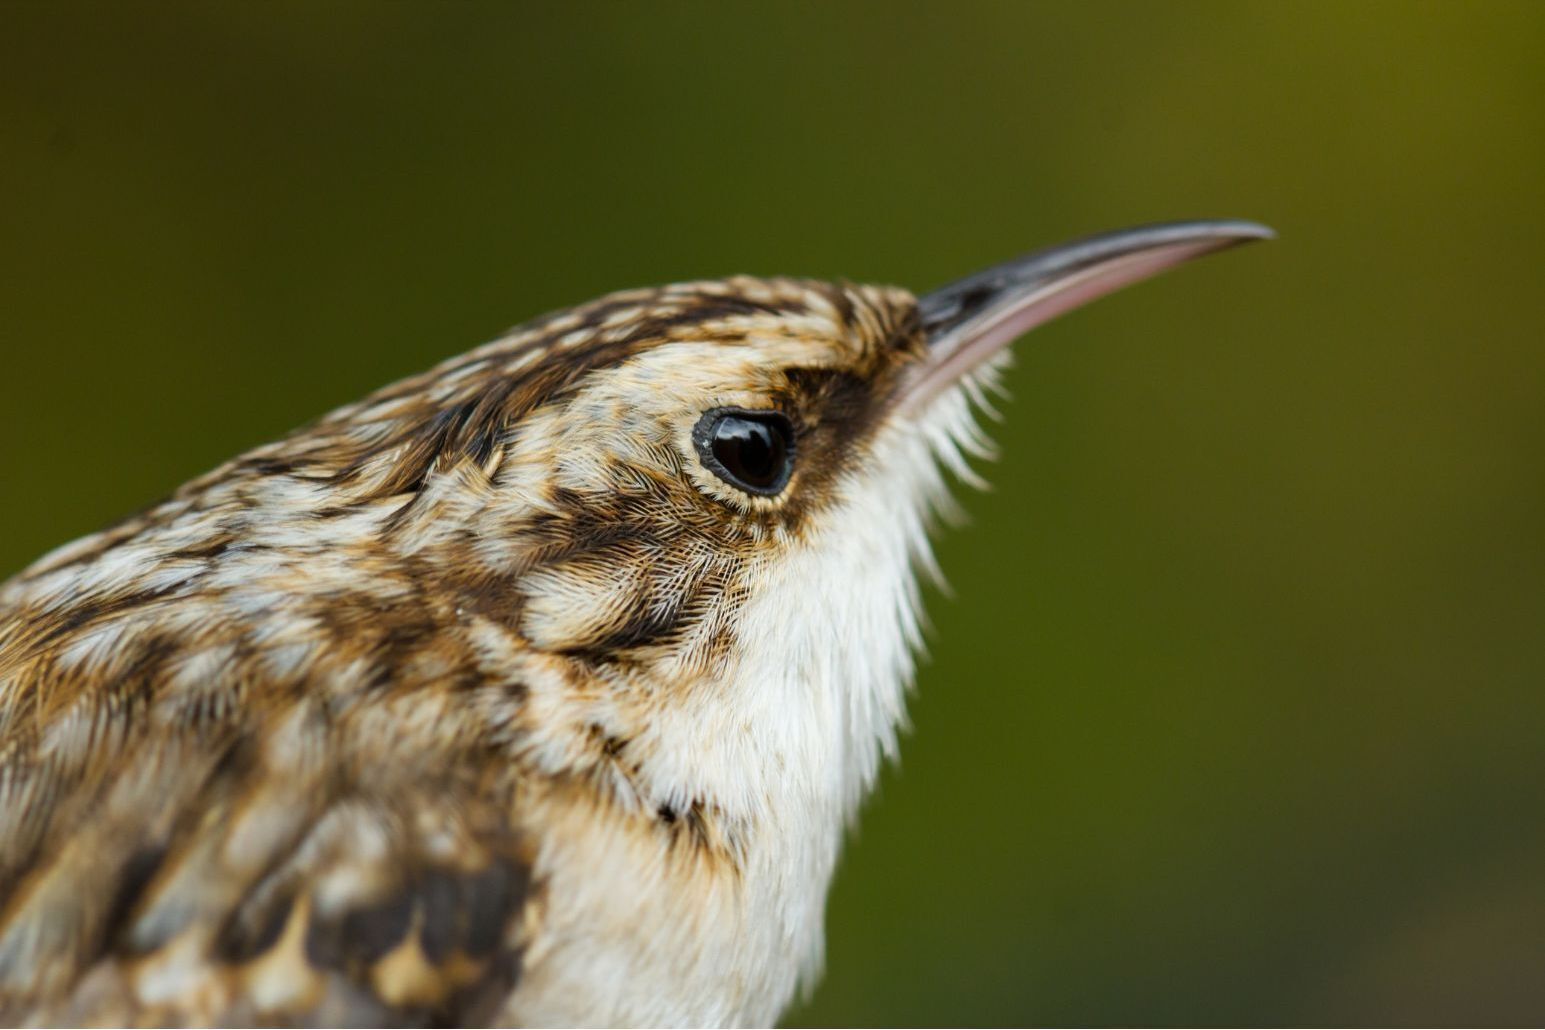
{"type": "Point", "coordinates": [536, 689]}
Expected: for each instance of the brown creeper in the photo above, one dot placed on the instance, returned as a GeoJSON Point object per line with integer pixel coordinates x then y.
{"type": "Point", "coordinates": [536, 689]}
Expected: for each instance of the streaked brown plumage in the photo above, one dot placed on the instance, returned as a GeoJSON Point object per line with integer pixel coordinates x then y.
{"type": "Point", "coordinates": [446, 708]}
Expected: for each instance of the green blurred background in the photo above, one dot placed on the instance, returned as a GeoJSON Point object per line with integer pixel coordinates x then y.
{"type": "Point", "coordinates": [1236, 715]}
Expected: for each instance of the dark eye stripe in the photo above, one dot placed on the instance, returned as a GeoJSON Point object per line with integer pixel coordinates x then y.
{"type": "Point", "coordinates": [750, 450]}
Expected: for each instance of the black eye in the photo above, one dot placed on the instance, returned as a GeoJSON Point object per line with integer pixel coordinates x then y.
{"type": "Point", "coordinates": [751, 450]}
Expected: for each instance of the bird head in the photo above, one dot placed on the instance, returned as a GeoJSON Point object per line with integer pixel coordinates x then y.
{"type": "Point", "coordinates": [672, 533]}
{"type": "Point", "coordinates": [698, 509]}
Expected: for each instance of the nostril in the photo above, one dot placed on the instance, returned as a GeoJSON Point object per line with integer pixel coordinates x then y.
{"type": "Point", "coordinates": [975, 296]}
{"type": "Point", "coordinates": [952, 306]}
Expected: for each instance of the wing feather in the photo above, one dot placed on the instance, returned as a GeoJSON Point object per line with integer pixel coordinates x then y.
{"type": "Point", "coordinates": [337, 848]}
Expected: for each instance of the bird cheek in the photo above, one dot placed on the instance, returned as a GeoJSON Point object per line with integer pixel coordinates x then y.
{"type": "Point", "coordinates": [578, 605]}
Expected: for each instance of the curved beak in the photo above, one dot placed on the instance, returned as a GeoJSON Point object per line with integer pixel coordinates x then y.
{"type": "Point", "coordinates": [970, 320]}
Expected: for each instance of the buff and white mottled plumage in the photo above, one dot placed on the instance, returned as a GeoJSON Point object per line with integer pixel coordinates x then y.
{"type": "Point", "coordinates": [481, 700]}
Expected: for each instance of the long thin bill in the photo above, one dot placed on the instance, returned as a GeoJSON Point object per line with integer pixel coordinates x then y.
{"type": "Point", "coordinates": [970, 320]}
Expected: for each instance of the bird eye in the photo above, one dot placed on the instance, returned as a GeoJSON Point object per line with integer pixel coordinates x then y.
{"type": "Point", "coordinates": [750, 450]}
